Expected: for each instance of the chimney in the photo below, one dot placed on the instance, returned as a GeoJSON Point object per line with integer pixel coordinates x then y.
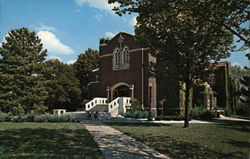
{"type": "Point", "coordinates": [103, 43]}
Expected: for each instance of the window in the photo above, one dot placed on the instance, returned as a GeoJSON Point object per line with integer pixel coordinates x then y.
{"type": "Point", "coordinates": [126, 55]}
{"type": "Point", "coordinates": [121, 58]}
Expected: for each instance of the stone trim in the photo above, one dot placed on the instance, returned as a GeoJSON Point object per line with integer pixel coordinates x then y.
{"type": "Point", "coordinates": [130, 51]}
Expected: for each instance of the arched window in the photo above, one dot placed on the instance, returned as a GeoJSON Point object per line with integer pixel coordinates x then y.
{"type": "Point", "coordinates": [116, 55]}
{"type": "Point", "coordinates": [121, 58]}
{"type": "Point", "coordinates": [126, 55]}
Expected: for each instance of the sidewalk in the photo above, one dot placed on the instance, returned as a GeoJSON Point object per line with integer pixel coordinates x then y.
{"type": "Point", "coordinates": [116, 145]}
{"type": "Point", "coordinates": [223, 119]}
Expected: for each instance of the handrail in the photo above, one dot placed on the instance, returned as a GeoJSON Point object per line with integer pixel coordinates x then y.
{"type": "Point", "coordinates": [94, 102]}
{"type": "Point", "coordinates": [114, 104]}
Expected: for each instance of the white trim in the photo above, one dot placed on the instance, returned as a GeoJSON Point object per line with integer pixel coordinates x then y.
{"type": "Point", "coordinates": [130, 51]}
{"type": "Point", "coordinates": [92, 83]}
{"type": "Point", "coordinates": [106, 55]}
{"type": "Point", "coordinates": [115, 86]}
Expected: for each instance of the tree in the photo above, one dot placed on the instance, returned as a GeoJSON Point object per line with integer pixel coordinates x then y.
{"type": "Point", "coordinates": [21, 81]}
{"type": "Point", "coordinates": [182, 33]}
{"type": "Point", "coordinates": [245, 86]}
{"type": "Point", "coordinates": [63, 87]}
{"type": "Point", "coordinates": [84, 65]}
{"type": "Point", "coordinates": [232, 15]}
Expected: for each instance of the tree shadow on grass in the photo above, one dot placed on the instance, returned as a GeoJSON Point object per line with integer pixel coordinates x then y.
{"type": "Point", "coordinates": [185, 150]}
{"type": "Point", "coordinates": [47, 143]}
{"type": "Point", "coordinates": [177, 148]}
{"type": "Point", "coordinates": [241, 126]}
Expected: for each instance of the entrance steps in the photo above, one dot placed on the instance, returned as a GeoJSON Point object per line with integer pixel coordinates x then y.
{"type": "Point", "coordinates": [115, 108]}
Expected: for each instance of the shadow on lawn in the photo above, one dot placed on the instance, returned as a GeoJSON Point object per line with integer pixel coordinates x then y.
{"type": "Point", "coordinates": [175, 148]}
{"type": "Point", "coordinates": [47, 143]}
{"type": "Point", "coordinates": [186, 150]}
{"type": "Point", "coordinates": [242, 126]}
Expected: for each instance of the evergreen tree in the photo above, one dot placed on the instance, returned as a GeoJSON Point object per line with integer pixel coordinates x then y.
{"type": "Point", "coordinates": [63, 86]}
{"type": "Point", "coordinates": [84, 65]}
{"type": "Point", "coordinates": [21, 81]}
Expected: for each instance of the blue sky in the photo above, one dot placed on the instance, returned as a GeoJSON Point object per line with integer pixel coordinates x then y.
{"type": "Point", "coordinates": [68, 27]}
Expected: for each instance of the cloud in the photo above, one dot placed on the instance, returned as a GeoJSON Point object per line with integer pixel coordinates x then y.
{"type": "Point", "coordinates": [53, 44]}
{"type": "Point", "coordinates": [98, 17]}
{"type": "Point", "coordinates": [133, 21]}
{"type": "Point", "coordinates": [71, 62]}
{"type": "Point", "coordinates": [236, 64]}
{"type": "Point", "coordinates": [110, 34]}
{"type": "Point", "coordinates": [42, 27]}
{"type": "Point", "coordinates": [53, 57]}
{"type": "Point", "coordinates": [99, 4]}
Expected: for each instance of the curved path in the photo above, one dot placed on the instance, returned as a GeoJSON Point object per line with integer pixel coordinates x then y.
{"type": "Point", "coordinates": [116, 145]}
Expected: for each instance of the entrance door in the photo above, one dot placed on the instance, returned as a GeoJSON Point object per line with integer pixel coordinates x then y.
{"type": "Point", "coordinates": [121, 91]}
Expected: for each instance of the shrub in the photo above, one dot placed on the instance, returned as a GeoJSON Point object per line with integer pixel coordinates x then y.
{"type": "Point", "coordinates": [136, 114]}
{"type": "Point", "coordinates": [38, 109]}
{"type": "Point", "coordinates": [135, 104]}
{"type": "Point", "coordinates": [64, 118]}
{"type": "Point", "coordinates": [4, 117]}
{"type": "Point", "coordinates": [169, 117]}
{"type": "Point", "coordinates": [243, 109]}
{"type": "Point", "coordinates": [42, 118]}
{"type": "Point", "coordinates": [55, 118]}
{"type": "Point", "coordinates": [227, 112]}
{"type": "Point", "coordinates": [207, 115]}
{"type": "Point", "coordinates": [17, 110]}
{"type": "Point", "coordinates": [145, 114]}
{"type": "Point", "coordinates": [196, 112]}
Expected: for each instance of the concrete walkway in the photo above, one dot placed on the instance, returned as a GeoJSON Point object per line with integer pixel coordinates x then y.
{"type": "Point", "coordinates": [222, 119]}
{"type": "Point", "coordinates": [116, 145]}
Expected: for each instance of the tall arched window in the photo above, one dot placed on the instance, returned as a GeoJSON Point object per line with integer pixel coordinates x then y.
{"type": "Point", "coordinates": [116, 55]}
{"type": "Point", "coordinates": [121, 58]}
{"type": "Point", "coordinates": [126, 55]}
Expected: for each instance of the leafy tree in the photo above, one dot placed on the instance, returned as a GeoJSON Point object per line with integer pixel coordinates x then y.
{"type": "Point", "coordinates": [21, 81]}
{"type": "Point", "coordinates": [245, 86]}
{"type": "Point", "coordinates": [63, 86]}
{"type": "Point", "coordinates": [188, 33]}
{"type": "Point", "coordinates": [84, 65]}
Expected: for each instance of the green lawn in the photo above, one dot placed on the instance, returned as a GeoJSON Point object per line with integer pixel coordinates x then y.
{"type": "Point", "coordinates": [46, 140]}
{"type": "Point", "coordinates": [200, 141]}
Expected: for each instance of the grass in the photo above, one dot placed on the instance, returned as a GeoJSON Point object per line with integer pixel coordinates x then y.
{"type": "Point", "coordinates": [210, 141]}
{"type": "Point", "coordinates": [46, 140]}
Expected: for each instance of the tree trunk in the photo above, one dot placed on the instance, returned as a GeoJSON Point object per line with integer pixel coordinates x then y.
{"type": "Point", "coordinates": [187, 103]}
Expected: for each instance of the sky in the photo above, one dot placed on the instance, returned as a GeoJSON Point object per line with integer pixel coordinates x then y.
{"type": "Point", "coordinates": [69, 27]}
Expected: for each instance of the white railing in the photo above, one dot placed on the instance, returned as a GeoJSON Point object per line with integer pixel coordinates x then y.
{"type": "Point", "coordinates": [94, 102]}
{"type": "Point", "coordinates": [118, 106]}
{"type": "Point", "coordinates": [113, 105]}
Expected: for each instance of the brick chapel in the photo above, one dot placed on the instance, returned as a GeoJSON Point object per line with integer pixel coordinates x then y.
{"type": "Point", "coordinates": [124, 72]}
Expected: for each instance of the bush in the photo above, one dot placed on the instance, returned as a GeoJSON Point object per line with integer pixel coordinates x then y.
{"type": "Point", "coordinates": [243, 109]}
{"type": "Point", "coordinates": [135, 104]}
{"type": "Point", "coordinates": [196, 112]}
{"type": "Point", "coordinates": [55, 118]}
{"type": "Point", "coordinates": [227, 112]}
{"type": "Point", "coordinates": [207, 115]}
{"type": "Point", "coordinates": [4, 117]}
{"type": "Point", "coordinates": [17, 110]}
{"type": "Point", "coordinates": [43, 118]}
{"type": "Point", "coordinates": [169, 117]}
{"type": "Point", "coordinates": [136, 114]}
{"type": "Point", "coordinates": [38, 109]}
{"type": "Point", "coordinates": [64, 118]}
